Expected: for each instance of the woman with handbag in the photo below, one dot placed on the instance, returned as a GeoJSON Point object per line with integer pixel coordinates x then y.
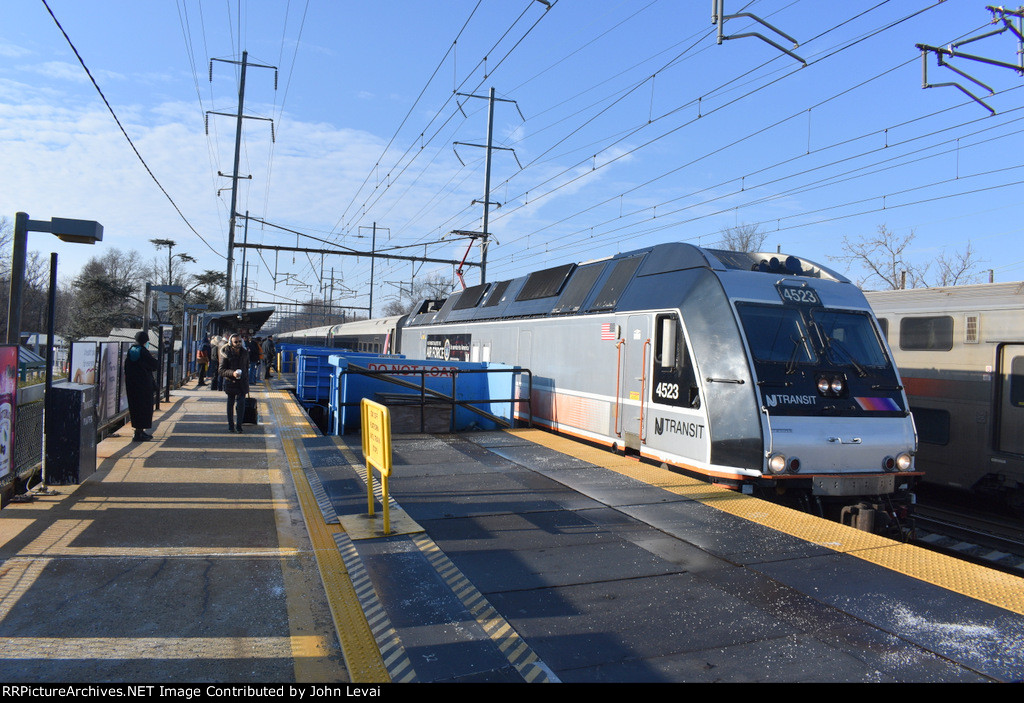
{"type": "Point", "coordinates": [234, 369]}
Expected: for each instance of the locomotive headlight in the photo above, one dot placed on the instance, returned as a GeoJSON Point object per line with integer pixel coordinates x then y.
{"type": "Point", "coordinates": [904, 462]}
{"type": "Point", "coordinates": [777, 463]}
{"type": "Point", "coordinates": [823, 385]}
{"type": "Point", "coordinates": [837, 385]}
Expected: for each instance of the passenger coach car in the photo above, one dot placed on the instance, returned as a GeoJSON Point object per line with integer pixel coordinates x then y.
{"type": "Point", "coordinates": [961, 352]}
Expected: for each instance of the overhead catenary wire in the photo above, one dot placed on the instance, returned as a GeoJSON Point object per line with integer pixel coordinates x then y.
{"type": "Point", "coordinates": [436, 213]}
{"type": "Point", "coordinates": [125, 133]}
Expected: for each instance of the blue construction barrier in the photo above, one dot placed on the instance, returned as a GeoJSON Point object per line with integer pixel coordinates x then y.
{"type": "Point", "coordinates": [314, 371]}
{"type": "Point", "coordinates": [488, 387]}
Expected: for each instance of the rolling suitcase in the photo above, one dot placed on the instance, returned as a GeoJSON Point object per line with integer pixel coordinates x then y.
{"type": "Point", "coordinates": [251, 414]}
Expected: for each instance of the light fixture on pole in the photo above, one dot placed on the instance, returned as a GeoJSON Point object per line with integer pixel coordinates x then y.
{"type": "Point", "coordinates": [74, 231]}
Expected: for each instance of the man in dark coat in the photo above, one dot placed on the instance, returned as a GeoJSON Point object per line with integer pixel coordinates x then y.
{"type": "Point", "coordinates": [141, 386]}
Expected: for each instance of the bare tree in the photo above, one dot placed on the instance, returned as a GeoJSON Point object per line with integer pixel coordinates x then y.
{"type": "Point", "coordinates": [885, 256]}
{"type": "Point", "coordinates": [743, 238]}
{"type": "Point", "coordinates": [107, 294]}
{"type": "Point", "coordinates": [434, 286]}
{"type": "Point", "coordinates": [6, 238]}
{"type": "Point", "coordinates": [960, 268]}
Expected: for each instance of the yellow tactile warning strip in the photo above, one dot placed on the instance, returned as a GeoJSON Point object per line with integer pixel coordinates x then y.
{"type": "Point", "coordinates": [362, 656]}
{"type": "Point", "coordinates": [391, 649]}
{"type": "Point", "coordinates": [508, 641]}
{"type": "Point", "coordinates": [314, 658]}
{"type": "Point", "coordinates": [497, 628]}
{"type": "Point", "coordinates": [983, 584]}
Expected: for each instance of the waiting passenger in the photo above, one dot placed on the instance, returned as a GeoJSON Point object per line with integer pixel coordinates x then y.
{"type": "Point", "coordinates": [234, 370]}
{"type": "Point", "coordinates": [141, 386]}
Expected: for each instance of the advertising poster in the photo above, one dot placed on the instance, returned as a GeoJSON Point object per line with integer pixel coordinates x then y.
{"type": "Point", "coordinates": [122, 403]}
{"type": "Point", "coordinates": [167, 357]}
{"type": "Point", "coordinates": [448, 347]}
{"type": "Point", "coordinates": [83, 362]}
{"type": "Point", "coordinates": [106, 374]}
{"type": "Point", "coordinates": [8, 403]}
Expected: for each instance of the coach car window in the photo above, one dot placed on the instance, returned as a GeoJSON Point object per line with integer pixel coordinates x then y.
{"type": "Point", "coordinates": [926, 333]}
{"type": "Point", "coordinates": [674, 381]}
{"type": "Point", "coordinates": [1017, 382]}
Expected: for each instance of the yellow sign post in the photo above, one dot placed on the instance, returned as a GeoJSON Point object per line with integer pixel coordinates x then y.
{"type": "Point", "coordinates": [376, 431]}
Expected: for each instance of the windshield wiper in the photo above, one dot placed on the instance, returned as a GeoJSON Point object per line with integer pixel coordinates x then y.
{"type": "Point", "coordinates": [834, 344]}
{"type": "Point", "coordinates": [791, 364]}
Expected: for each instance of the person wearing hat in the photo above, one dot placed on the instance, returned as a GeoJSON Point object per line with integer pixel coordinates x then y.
{"type": "Point", "coordinates": [138, 379]}
{"type": "Point", "coordinates": [234, 369]}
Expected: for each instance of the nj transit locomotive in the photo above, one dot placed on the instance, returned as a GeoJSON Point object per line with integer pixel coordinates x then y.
{"type": "Point", "coordinates": [961, 352]}
{"type": "Point", "coordinates": [749, 369]}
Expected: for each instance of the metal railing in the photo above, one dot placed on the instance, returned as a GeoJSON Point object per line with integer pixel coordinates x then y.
{"type": "Point", "coordinates": [440, 398]}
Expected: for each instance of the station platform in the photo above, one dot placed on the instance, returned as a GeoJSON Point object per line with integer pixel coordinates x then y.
{"type": "Point", "coordinates": [514, 556]}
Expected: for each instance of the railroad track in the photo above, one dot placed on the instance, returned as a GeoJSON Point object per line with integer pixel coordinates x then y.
{"type": "Point", "coordinates": [994, 541]}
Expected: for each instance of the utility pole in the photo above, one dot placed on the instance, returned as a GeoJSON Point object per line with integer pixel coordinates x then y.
{"type": "Point", "coordinates": [489, 146]}
{"type": "Point", "coordinates": [245, 271]}
{"type": "Point", "coordinates": [234, 181]}
{"type": "Point", "coordinates": [233, 215]}
{"type": "Point", "coordinates": [373, 261]}
{"type": "Point", "coordinates": [487, 184]}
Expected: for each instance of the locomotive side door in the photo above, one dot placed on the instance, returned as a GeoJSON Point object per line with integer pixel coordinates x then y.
{"type": "Point", "coordinates": [636, 357]}
{"type": "Point", "coordinates": [1010, 405]}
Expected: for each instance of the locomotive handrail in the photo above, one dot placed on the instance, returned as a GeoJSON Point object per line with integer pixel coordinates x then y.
{"type": "Point", "coordinates": [771, 435]}
{"type": "Point", "coordinates": [643, 387]}
{"type": "Point", "coordinates": [618, 378]}
{"type": "Point", "coordinates": [386, 376]}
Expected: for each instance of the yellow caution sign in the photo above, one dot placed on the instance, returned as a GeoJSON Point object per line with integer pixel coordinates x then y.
{"type": "Point", "coordinates": [376, 433]}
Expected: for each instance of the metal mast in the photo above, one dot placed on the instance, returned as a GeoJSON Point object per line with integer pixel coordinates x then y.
{"type": "Point", "coordinates": [233, 215]}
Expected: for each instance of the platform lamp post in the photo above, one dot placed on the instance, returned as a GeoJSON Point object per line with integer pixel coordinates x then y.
{"type": "Point", "coordinates": [76, 231]}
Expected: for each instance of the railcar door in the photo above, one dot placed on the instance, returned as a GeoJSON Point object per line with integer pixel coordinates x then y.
{"type": "Point", "coordinates": [636, 356]}
{"type": "Point", "coordinates": [1010, 405]}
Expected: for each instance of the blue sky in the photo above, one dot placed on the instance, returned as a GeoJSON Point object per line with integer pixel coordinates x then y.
{"type": "Point", "coordinates": [639, 128]}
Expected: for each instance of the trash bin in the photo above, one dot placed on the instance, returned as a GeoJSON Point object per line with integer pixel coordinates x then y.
{"type": "Point", "coordinates": [70, 433]}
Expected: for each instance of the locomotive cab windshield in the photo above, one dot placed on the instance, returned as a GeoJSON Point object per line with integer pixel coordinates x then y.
{"type": "Point", "coordinates": [832, 359]}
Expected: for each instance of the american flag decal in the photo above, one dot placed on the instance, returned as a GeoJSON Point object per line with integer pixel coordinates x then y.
{"type": "Point", "coordinates": [609, 331]}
